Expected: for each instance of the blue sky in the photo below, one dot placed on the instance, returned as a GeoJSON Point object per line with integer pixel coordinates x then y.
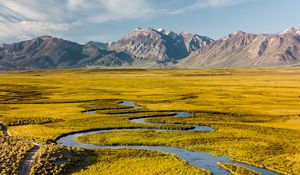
{"type": "Point", "coordinates": [108, 20]}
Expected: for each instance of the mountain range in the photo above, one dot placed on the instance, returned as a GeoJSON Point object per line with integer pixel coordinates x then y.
{"type": "Point", "coordinates": [242, 49]}
{"type": "Point", "coordinates": [150, 48]}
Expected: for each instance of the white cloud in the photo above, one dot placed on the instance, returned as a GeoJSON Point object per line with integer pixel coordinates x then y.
{"type": "Point", "coordinates": [214, 3]}
{"type": "Point", "coordinates": [20, 9]}
{"type": "Point", "coordinates": [108, 10]}
{"type": "Point", "coordinates": [74, 4]}
{"type": "Point", "coordinates": [38, 17]}
{"type": "Point", "coordinates": [31, 28]}
{"type": "Point", "coordinates": [31, 10]}
{"type": "Point", "coordinates": [201, 4]}
{"type": "Point", "coordinates": [35, 17]}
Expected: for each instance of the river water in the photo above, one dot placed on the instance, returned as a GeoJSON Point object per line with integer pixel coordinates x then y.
{"type": "Point", "coordinates": [197, 159]}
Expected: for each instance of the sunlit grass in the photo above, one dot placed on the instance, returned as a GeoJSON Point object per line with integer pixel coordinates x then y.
{"type": "Point", "coordinates": [138, 162]}
{"type": "Point", "coordinates": [255, 112]}
{"type": "Point", "coordinates": [237, 170]}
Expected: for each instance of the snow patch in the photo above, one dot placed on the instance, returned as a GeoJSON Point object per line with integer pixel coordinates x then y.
{"type": "Point", "coordinates": [285, 31]}
{"type": "Point", "coordinates": [161, 30]}
{"type": "Point", "coordinates": [226, 37]}
{"type": "Point", "coordinates": [290, 31]}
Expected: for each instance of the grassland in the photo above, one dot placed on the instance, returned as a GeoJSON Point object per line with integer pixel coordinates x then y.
{"type": "Point", "coordinates": [55, 160]}
{"type": "Point", "coordinates": [12, 152]}
{"type": "Point", "coordinates": [237, 170]}
{"type": "Point", "coordinates": [128, 161]}
{"type": "Point", "coordinates": [256, 113]}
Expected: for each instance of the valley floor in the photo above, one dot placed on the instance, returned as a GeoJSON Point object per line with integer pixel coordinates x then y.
{"type": "Point", "coordinates": [255, 114]}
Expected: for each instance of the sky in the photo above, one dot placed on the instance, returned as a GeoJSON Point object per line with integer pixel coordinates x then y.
{"type": "Point", "coordinates": [109, 20]}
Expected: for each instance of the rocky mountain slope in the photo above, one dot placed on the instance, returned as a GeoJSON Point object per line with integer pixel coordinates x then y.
{"type": "Point", "coordinates": [149, 48]}
{"type": "Point", "coordinates": [48, 52]}
{"type": "Point", "coordinates": [249, 50]}
{"type": "Point", "coordinates": [158, 46]}
{"type": "Point", "coordinates": [99, 45]}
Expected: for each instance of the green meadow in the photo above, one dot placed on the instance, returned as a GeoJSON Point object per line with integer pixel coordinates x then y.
{"type": "Point", "coordinates": [255, 114]}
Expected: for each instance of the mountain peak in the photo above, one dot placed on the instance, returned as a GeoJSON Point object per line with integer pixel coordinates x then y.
{"type": "Point", "coordinates": [98, 45]}
{"type": "Point", "coordinates": [155, 47]}
{"type": "Point", "coordinates": [242, 49]}
{"type": "Point", "coordinates": [292, 31]}
{"type": "Point", "coordinates": [239, 33]}
{"type": "Point", "coordinates": [172, 34]}
{"type": "Point", "coordinates": [44, 38]}
{"type": "Point", "coordinates": [143, 30]}
{"type": "Point", "coordinates": [159, 45]}
{"type": "Point", "coordinates": [150, 30]}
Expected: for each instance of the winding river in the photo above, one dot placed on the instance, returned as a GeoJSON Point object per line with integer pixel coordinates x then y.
{"type": "Point", "coordinates": [197, 159]}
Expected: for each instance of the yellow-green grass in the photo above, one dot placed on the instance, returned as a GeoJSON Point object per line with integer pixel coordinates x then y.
{"type": "Point", "coordinates": [12, 153]}
{"type": "Point", "coordinates": [273, 148]}
{"type": "Point", "coordinates": [81, 122]}
{"type": "Point", "coordinates": [237, 170]}
{"type": "Point", "coordinates": [137, 162]}
{"type": "Point", "coordinates": [56, 160]}
{"type": "Point", "coordinates": [263, 92]}
{"type": "Point", "coordinates": [244, 106]}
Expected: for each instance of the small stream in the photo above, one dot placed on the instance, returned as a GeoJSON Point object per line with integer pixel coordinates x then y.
{"type": "Point", "coordinates": [197, 159]}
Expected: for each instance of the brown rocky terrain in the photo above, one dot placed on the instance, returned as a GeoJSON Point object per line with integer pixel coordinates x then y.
{"type": "Point", "coordinates": [242, 49]}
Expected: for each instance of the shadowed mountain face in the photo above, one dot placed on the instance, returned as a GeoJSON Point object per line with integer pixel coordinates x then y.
{"type": "Point", "coordinates": [48, 52]}
{"type": "Point", "coordinates": [42, 52]}
{"type": "Point", "coordinates": [149, 48]}
{"type": "Point", "coordinates": [98, 45]}
{"type": "Point", "coordinates": [249, 50]}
